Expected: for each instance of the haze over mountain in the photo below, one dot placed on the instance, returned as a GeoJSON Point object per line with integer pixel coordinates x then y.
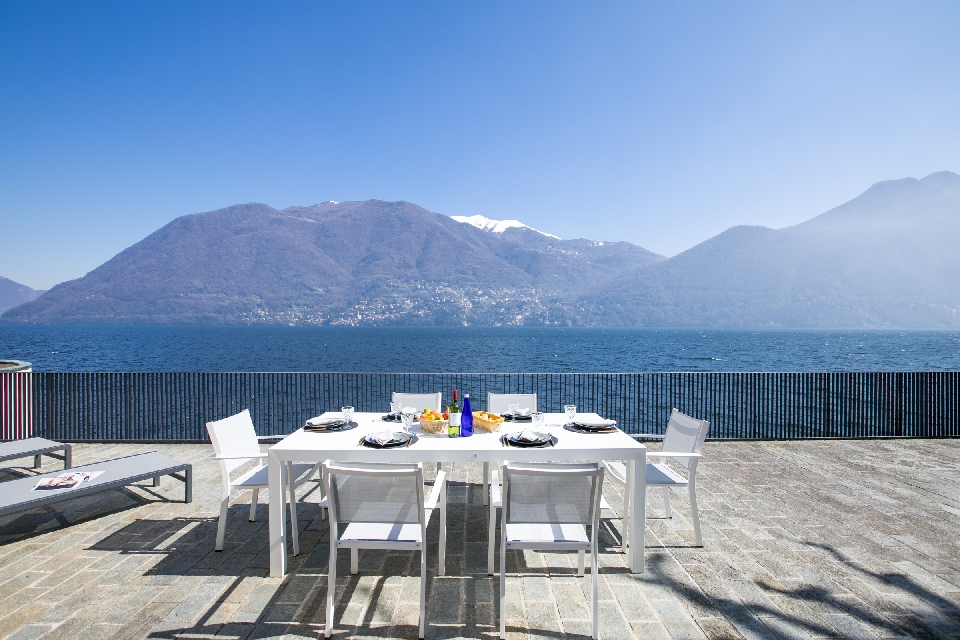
{"type": "Point", "coordinates": [13, 294]}
{"type": "Point", "coordinates": [887, 258]}
{"type": "Point", "coordinates": [336, 262]}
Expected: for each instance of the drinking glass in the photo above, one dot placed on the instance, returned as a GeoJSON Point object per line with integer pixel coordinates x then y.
{"type": "Point", "coordinates": [396, 407]}
{"type": "Point", "coordinates": [347, 413]}
{"type": "Point", "coordinates": [539, 419]}
{"type": "Point", "coordinates": [571, 411]}
{"type": "Point", "coordinates": [513, 408]}
{"type": "Point", "coordinates": [407, 419]}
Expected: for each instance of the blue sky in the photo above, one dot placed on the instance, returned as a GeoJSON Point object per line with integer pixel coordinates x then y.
{"type": "Point", "coordinates": [658, 123]}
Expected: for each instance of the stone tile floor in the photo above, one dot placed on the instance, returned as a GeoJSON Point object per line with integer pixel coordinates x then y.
{"type": "Point", "coordinates": [814, 539]}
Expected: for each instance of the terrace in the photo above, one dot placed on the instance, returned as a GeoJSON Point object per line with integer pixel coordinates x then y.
{"type": "Point", "coordinates": [825, 537]}
{"type": "Point", "coordinates": [819, 538]}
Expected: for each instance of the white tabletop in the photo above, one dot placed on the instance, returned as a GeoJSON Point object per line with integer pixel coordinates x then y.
{"type": "Point", "coordinates": [303, 446]}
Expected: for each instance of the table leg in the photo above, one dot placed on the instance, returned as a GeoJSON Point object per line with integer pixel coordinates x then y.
{"type": "Point", "coordinates": [637, 481]}
{"type": "Point", "coordinates": [278, 521]}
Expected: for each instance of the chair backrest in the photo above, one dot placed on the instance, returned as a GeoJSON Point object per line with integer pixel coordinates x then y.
{"type": "Point", "coordinates": [375, 492]}
{"type": "Point", "coordinates": [419, 401]}
{"type": "Point", "coordinates": [234, 437]}
{"type": "Point", "coordinates": [684, 435]}
{"type": "Point", "coordinates": [552, 493]}
{"type": "Point", "coordinates": [498, 402]}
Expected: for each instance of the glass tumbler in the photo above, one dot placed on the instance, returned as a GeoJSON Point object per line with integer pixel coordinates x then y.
{"type": "Point", "coordinates": [539, 419]}
{"type": "Point", "coordinates": [395, 408]}
{"type": "Point", "coordinates": [347, 413]}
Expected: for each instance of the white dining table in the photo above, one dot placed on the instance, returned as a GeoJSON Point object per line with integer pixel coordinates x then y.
{"type": "Point", "coordinates": [303, 446]}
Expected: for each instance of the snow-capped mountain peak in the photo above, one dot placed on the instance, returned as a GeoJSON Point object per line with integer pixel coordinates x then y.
{"type": "Point", "coordinates": [497, 226]}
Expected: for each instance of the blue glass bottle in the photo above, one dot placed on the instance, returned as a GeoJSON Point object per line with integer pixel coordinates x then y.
{"type": "Point", "coordinates": [466, 418]}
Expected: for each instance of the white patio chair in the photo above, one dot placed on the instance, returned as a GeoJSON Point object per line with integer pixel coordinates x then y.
{"type": "Point", "coordinates": [235, 443]}
{"type": "Point", "coordinates": [383, 507]}
{"type": "Point", "coordinates": [682, 443]}
{"type": "Point", "coordinates": [549, 507]}
{"type": "Point", "coordinates": [419, 401]}
{"type": "Point", "coordinates": [498, 403]}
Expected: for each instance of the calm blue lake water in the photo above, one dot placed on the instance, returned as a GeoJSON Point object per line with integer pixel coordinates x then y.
{"type": "Point", "coordinates": [469, 349]}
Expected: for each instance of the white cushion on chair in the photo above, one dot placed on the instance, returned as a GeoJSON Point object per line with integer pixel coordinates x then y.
{"type": "Point", "coordinates": [381, 531]}
{"type": "Point", "coordinates": [529, 532]}
{"type": "Point", "coordinates": [662, 474]}
{"type": "Point", "coordinates": [257, 478]}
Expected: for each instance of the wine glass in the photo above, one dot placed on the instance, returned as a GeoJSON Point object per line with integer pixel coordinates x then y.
{"type": "Point", "coordinates": [513, 408]}
{"type": "Point", "coordinates": [571, 411]}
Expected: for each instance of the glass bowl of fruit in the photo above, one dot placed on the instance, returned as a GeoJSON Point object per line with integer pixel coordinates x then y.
{"type": "Point", "coordinates": [432, 421]}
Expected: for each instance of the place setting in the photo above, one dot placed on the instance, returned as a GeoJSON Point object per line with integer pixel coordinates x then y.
{"type": "Point", "coordinates": [586, 424]}
{"type": "Point", "coordinates": [396, 413]}
{"type": "Point", "coordinates": [530, 438]}
{"type": "Point", "coordinates": [387, 439]}
{"type": "Point", "coordinates": [331, 424]}
{"type": "Point", "coordinates": [515, 414]}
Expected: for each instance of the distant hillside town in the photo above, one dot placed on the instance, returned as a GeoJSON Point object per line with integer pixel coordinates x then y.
{"type": "Point", "coordinates": [886, 259]}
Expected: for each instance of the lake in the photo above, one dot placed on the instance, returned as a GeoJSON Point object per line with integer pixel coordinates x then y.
{"type": "Point", "coordinates": [473, 349]}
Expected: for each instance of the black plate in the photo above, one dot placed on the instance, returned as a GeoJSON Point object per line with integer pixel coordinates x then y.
{"type": "Point", "coordinates": [579, 428]}
{"type": "Point", "coordinates": [344, 427]}
{"type": "Point", "coordinates": [511, 418]}
{"type": "Point", "coordinates": [508, 440]}
{"type": "Point", "coordinates": [405, 439]}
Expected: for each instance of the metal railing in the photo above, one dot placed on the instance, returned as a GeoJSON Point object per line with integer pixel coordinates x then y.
{"type": "Point", "coordinates": [176, 406]}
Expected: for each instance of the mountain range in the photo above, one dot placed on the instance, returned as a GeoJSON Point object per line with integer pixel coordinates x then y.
{"type": "Point", "coordinates": [883, 259]}
{"type": "Point", "coordinates": [13, 294]}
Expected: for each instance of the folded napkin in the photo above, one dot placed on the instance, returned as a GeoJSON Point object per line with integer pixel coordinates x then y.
{"type": "Point", "coordinates": [528, 436]}
{"type": "Point", "coordinates": [595, 422]}
{"type": "Point", "coordinates": [384, 437]}
{"type": "Point", "coordinates": [324, 422]}
{"type": "Point", "coordinates": [523, 413]}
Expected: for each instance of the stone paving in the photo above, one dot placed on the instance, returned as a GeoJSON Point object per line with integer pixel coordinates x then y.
{"type": "Point", "coordinates": [855, 539]}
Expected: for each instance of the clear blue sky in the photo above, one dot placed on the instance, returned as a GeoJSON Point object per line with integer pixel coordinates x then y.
{"type": "Point", "coordinates": [658, 123]}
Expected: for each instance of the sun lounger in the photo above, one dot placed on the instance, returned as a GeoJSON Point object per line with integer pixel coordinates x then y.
{"type": "Point", "coordinates": [35, 447]}
{"type": "Point", "coordinates": [19, 495]}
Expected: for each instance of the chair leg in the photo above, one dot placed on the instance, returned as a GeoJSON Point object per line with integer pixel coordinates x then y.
{"type": "Point", "coordinates": [696, 513]}
{"type": "Point", "coordinates": [37, 461]}
{"type": "Point", "coordinates": [579, 563]}
{"type": "Point", "coordinates": [323, 495]}
{"type": "Point", "coordinates": [486, 483]}
{"type": "Point", "coordinates": [442, 560]}
{"type": "Point", "coordinates": [666, 501]}
{"type": "Point", "coordinates": [331, 584]}
{"type": "Point", "coordinates": [222, 525]}
{"type": "Point", "coordinates": [594, 588]}
{"type": "Point", "coordinates": [490, 539]}
{"type": "Point", "coordinates": [354, 560]}
{"type": "Point", "coordinates": [253, 505]}
{"type": "Point", "coordinates": [423, 586]}
{"type": "Point", "coordinates": [503, 584]}
{"type": "Point", "coordinates": [438, 467]}
{"type": "Point", "coordinates": [294, 525]}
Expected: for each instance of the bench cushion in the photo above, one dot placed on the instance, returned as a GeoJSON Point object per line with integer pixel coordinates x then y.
{"type": "Point", "coordinates": [18, 495]}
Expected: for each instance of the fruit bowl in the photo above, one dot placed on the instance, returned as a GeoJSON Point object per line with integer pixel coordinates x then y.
{"type": "Point", "coordinates": [433, 426]}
